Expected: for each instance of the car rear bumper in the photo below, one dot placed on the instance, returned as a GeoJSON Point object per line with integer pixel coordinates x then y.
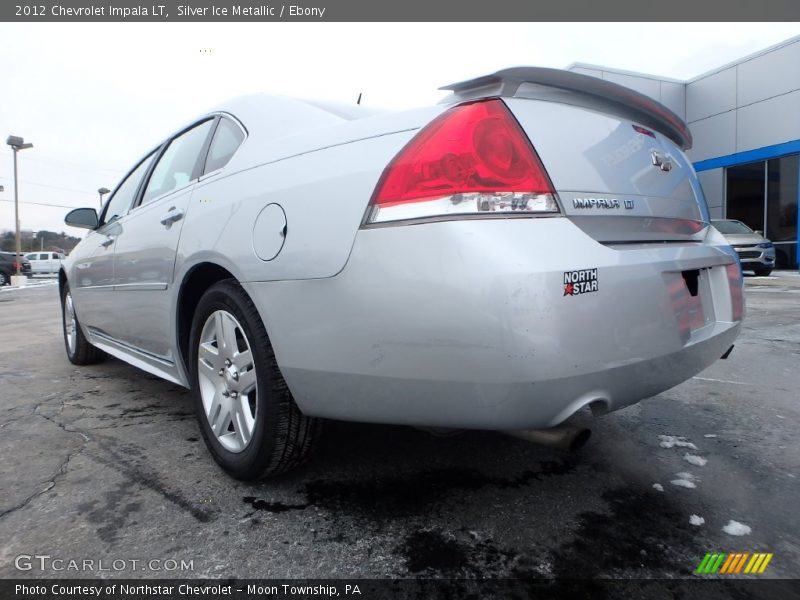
{"type": "Point", "coordinates": [471, 324]}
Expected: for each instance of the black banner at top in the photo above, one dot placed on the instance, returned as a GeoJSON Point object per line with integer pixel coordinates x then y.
{"type": "Point", "coordinates": [398, 10]}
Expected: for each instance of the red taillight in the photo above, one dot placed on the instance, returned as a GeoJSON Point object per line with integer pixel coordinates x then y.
{"type": "Point", "coordinates": [473, 158]}
{"type": "Point", "coordinates": [736, 284]}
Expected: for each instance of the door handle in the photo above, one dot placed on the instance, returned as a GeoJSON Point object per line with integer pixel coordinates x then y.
{"type": "Point", "coordinates": [173, 214]}
{"type": "Point", "coordinates": [108, 242]}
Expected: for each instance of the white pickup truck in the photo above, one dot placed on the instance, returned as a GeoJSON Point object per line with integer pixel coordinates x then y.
{"type": "Point", "coordinates": [45, 262]}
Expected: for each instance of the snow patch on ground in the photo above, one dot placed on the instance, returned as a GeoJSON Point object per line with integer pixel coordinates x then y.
{"type": "Point", "coordinates": [696, 521]}
{"type": "Point", "coordinates": [670, 441]}
{"type": "Point", "coordinates": [658, 487]}
{"type": "Point", "coordinates": [685, 475]}
{"type": "Point", "coordinates": [29, 284]}
{"type": "Point", "coordinates": [736, 528]}
{"type": "Point", "coordinates": [683, 483]}
{"type": "Point", "coordinates": [710, 435]}
{"type": "Point", "coordinates": [693, 459]}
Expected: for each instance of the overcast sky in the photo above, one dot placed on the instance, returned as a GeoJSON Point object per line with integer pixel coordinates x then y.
{"type": "Point", "coordinates": [94, 97]}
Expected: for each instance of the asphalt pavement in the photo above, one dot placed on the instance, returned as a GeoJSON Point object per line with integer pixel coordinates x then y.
{"type": "Point", "coordinates": [106, 464]}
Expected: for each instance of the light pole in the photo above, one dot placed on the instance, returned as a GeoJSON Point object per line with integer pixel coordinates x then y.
{"type": "Point", "coordinates": [17, 144]}
{"type": "Point", "coordinates": [102, 191]}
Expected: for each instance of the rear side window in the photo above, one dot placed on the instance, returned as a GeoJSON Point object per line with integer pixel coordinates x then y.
{"type": "Point", "coordinates": [227, 140]}
{"type": "Point", "coordinates": [178, 165]}
{"type": "Point", "coordinates": [122, 199]}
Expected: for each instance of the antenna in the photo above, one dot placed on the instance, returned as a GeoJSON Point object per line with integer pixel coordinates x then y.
{"type": "Point", "coordinates": [359, 98]}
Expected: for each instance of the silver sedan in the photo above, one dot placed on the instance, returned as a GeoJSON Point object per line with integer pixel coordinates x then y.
{"type": "Point", "coordinates": [755, 252]}
{"type": "Point", "coordinates": [536, 244]}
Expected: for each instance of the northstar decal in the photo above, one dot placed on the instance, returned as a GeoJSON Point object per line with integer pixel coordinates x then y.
{"type": "Point", "coordinates": [579, 282]}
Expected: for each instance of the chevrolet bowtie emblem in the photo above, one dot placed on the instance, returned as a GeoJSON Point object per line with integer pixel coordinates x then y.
{"type": "Point", "coordinates": [661, 160]}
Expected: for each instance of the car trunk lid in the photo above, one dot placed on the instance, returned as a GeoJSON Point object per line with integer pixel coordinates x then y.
{"type": "Point", "coordinates": [615, 157]}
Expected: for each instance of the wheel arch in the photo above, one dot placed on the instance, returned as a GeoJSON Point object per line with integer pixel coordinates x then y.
{"type": "Point", "coordinates": [194, 284]}
{"type": "Point", "coordinates": [62, 281]}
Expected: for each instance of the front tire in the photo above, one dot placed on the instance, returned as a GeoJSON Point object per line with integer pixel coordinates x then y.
{"type": "Point", "coordinates": [79, 350]}
{"type": "Point", "coordinates": [247, 416]}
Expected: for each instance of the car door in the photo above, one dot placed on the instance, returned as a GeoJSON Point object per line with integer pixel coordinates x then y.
{"type": "Point", "coordinates": [33, 258]}
{"type": "Point", "coordinates": [91, 275]}
{"type": "Point", "coordinates": [144, 258]}
{"type": "Point", "coordinates": [38, 262]}
{"type": "Point", "coordinates": [52, 262]}
{"type": "Point", "coordinates": [49, 262]}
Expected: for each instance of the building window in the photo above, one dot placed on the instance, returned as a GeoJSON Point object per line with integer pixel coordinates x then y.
{"type": "Point", "coordinates": [764, 196]}
{"type": "Point", "coordinates": [783, 176]}
{"type": "Point", "coordinates": [745, 191]}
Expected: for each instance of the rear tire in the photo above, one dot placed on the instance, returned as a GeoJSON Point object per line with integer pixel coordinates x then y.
{"type": "Point", "coordinates": [5, 279]}
{"type": "Point", "coordinates": [249, 420]}
{"type": "Point", "coordinates": [79, 350]}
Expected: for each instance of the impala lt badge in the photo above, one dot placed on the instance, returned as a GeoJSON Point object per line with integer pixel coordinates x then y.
{"type": "Point", "coordinates": [595, 202]}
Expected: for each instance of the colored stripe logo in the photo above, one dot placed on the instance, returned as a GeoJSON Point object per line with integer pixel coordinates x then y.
{"type": "Point", "coordinates": [734, 563]}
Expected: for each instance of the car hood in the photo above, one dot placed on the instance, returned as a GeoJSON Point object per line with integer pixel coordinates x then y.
{"type": "Point", "coordinates": [735, 239]}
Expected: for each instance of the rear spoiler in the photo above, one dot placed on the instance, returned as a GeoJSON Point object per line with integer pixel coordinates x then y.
{"type": "Point", "coordinates": [626, 101]}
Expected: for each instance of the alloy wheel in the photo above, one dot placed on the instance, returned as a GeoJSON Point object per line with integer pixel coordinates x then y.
{"type": "Point", "coordinates": [70, 324]}
{"type": "Point", "coordinates": [227, 378]}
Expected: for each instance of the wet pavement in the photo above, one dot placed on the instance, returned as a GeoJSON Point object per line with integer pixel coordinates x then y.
{"type": "Point", "coordinates": [105, 463]}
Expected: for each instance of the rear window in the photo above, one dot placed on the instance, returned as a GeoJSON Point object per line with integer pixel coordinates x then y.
{"type": "Point", "coordinates": [731, 227]}
{"type": "Point", "coordinates": [227, 140]}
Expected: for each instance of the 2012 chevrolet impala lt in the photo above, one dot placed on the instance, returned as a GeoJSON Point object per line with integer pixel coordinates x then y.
{"type": "Point", "coordinates": [534, 244]}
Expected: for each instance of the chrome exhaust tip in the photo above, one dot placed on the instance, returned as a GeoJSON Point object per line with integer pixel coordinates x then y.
{"type": "Point", "coordinates": [563, 437]}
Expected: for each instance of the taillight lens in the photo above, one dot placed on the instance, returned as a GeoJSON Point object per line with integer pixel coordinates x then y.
{"type": "Point", "coordinates": [474, 159]}
{"type": "Point", "coordinates": [736, 285]}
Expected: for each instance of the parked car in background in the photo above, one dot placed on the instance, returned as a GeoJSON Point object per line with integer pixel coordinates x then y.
{"type": "Point", "coordinates": [8, 267]}
{"type": "Point", "coordinates": [536, 244]}
{"type": "Point", "coordinates": [45, 262]}
{"type": "Point", "coordinates": [756, 253]}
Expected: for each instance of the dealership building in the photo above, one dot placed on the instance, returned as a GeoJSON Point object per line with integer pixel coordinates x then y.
{"type": "Point", "coordinates": [745, 121]}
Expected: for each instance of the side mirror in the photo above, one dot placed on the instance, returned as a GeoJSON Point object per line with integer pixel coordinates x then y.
{"type": "Point", "coordinates": [759, 232]}
{"type": "Point", "coordinates": [85, 218]}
